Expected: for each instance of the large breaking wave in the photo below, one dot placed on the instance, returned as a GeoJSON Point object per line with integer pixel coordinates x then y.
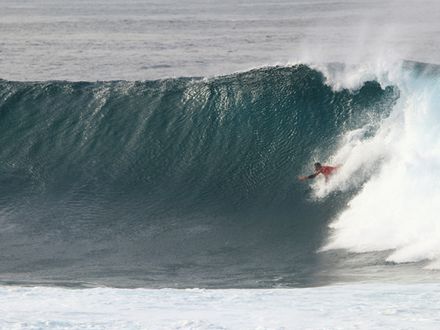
{"type": "Point", "coordinates": [192, 182]}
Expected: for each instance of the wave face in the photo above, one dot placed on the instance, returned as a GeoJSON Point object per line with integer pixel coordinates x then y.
{"type": "Point", "coordinates": [178, 182]}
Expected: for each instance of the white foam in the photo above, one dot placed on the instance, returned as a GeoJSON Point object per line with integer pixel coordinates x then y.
{"type": "Point", "coordinates": [371, 306]}
{"type": "Point", "coordinates": [399, 207]}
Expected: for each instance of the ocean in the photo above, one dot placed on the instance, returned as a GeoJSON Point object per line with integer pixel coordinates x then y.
{"type": "Point", "coordinates": [150, 154]}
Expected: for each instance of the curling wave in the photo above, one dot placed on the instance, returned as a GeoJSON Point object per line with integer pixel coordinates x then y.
{"type": "Point", "coordinates": [183, 182]}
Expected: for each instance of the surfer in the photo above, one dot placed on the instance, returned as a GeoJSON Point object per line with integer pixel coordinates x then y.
{"type": "Point", "coordinates": [320, 169]}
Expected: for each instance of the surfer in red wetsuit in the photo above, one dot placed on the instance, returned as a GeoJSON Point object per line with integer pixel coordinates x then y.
{"type": "Point", "coordinates": [321, 169]}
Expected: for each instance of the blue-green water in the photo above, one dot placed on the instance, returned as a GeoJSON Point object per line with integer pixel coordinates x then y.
{"type": "Point", "coordinates": [172, 182]}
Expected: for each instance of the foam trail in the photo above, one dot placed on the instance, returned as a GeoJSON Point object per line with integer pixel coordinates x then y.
{"type": "Point", "coordinates": [398, 208]}
{"type": "Point", "coordinates": [332, 307]}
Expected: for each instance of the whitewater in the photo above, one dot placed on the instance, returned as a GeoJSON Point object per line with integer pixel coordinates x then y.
{"type": "Point", "coordinates": [150, 153]}
{"type": "Point", "coordinates": [335, 307]}
{"type": "Point", "coordinates": [405, 145]}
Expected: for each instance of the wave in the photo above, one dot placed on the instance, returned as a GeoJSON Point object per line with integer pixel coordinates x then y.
{"type": "Point", "coordinates": [193, 180]}
{"type": "Point", "coordinates": [230, 138]}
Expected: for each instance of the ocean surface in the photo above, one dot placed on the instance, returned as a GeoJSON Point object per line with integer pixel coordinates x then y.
{"type": "Point", "coordinates": [151, 147]}
{"type": "Point", "coordinates": [152, 39]}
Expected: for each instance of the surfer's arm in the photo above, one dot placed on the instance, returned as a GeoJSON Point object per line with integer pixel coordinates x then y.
{"type": "Point", "coordinates": [311, 176]}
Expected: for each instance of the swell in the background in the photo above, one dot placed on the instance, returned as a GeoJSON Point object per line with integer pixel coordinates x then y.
{"type": "Point", "coordinates": [178, 182]}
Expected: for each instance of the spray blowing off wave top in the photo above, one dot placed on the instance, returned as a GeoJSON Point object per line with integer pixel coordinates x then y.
{"type": "Point", "coordinates": [85, 166]}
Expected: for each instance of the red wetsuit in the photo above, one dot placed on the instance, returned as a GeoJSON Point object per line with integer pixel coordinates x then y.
{"type": "Point", "coordinates": [327, 170]}
{"type": "Point", "coordinates": [324, 170]}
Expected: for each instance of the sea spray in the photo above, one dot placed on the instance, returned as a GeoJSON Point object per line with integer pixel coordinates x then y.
{"type": "Point", "coordinates": [398, 207]}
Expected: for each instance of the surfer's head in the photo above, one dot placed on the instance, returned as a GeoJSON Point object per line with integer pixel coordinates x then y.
{"type": "Point", "coordinates": [318, 166]}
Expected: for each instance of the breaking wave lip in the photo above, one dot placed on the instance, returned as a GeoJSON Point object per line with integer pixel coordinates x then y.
{"type": "Point", "coordinates": [398, 206]}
